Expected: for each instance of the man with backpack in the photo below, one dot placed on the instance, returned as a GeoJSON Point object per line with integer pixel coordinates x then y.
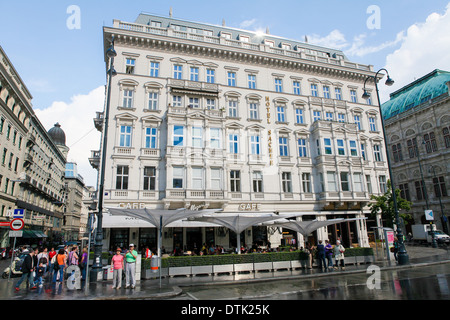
{"type": "Point", "coordinates": [28, 268]}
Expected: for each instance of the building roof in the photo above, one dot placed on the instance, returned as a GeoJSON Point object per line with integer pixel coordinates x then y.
{"type": "Point", "coordinates": [254, 37]}
{"type": "Point", "coordinates": [421, 90]}
{"type": "Point", "coordinates": [57, 135]}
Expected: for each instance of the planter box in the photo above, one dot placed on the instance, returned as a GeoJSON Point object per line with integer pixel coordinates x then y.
{"type": "Point", "coordinates": [178, 271]}
{"type": "Point", "coordinates": [223, 268]}
{"type": "Point", "coordinates": [295, 264]}
{"type": "Point", "coordinates": [243, 267]}
{"type": "Point", "coordinates": [278, 265]}
{"type": "Point", "coordinates": [263, 266]}
{"type": "Point", "coordinates": [202, 270]}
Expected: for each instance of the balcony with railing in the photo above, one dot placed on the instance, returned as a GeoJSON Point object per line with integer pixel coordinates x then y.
{"type": "Point", "coordinates": [94, 160]}
{"type": "Point", "coordinates": [98, 121]}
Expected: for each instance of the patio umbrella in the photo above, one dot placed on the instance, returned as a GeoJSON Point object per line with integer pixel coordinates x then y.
{"type": "Point", "coordinates": [159, 218]}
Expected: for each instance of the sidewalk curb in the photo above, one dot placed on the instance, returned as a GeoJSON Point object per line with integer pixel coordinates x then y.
{"type": "Point", "coordinates": [176, 291]}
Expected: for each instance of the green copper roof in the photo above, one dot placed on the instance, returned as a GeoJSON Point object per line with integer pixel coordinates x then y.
{"type": "Point", "coordinates": [426, 88]}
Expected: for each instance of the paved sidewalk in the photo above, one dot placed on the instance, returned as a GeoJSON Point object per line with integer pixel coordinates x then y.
{"type": "Point", "coordinates": [171, 287]}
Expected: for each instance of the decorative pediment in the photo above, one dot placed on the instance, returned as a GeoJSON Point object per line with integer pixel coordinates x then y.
{"type": "Point", "coordinates": [255, 127]}
{"type": "Point", "coordinates": [426, 126]}
{"type": "Point", "coordinates": [232, 94]}
{"type": "Point", "coordinates": [314, 80]}
{"type": "Point", "coordinates": [344, 163]}
{"type": "Point", "coordinates": [297, 102]}
{"type": "Point", "coordinates": [395, 138]}
{"type": "Point", "coordinates": [126, 116]}
{"type": "Point", "coordinates": [152, 119]}
{"type": "Point", "coordinates": [410, 132]}
{"type": "Point", "coordinates": [194, 62]}
{"type": "Point", "coordinates": [234, 125]}
{"type": "Point", "coordinates": [153, 84]}
{"type": "Point", "coordinates": [178, 60]}
{"type": "Point", "coordinates": [338, 84]}
{"type": "Point", "coordinates": [301, 132]}
{"type": "Point", "coordinates": [280, 100]}
{"type": "Point", "coordinates": [356, 110]}
{"type": "Point", "coordinates": [253, 96]}
{"type": "Point", "coordinates": [326, 82]}
{"type": "Point", "coordinates": [376, 138]}
{"type": "Point", "coordinates": [284, 130]}
{"type": "Point", "coordinates": [211, 65]}
{"type": "Point", "coordinates": [128, 82]}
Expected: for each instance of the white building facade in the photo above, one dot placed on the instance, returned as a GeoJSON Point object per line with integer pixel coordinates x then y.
{"type": "Point", "coordinates": [205, 116]}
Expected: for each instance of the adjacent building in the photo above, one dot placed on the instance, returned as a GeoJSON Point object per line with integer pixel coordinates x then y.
{"type": "Point", "coordinates": [417, 119]}
{"type": "Point", "coordinates": [206, 116]}
{"type": "Point", "coordinates": [31, 164]}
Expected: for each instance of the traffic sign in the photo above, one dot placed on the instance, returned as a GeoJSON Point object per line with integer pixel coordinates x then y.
{"type": "Point", "coordinates": [17, 224]}
{"type": "Point", "coordinates": [5, 224]}
{"type": "Point", "coordinates": [19, 213]}
{"type": "Point", "coordinates": [429, 215]}
{"type": "Point", "coordinates": [15, 234]}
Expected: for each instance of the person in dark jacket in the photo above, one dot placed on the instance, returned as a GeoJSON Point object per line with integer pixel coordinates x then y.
{"type": "Point", "coordinates": [28, 268]}
{"type": "Point", "coordinates": [321, 255]}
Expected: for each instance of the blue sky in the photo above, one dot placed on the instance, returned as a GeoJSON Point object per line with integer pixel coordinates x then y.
{"type": "Point", "coordinates": [64, 69]}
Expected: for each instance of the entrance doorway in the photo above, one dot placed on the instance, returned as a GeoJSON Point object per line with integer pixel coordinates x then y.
{"type": "Point", "coordinates": [193, 239]}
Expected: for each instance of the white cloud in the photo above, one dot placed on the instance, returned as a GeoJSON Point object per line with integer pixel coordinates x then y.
{"type": "Point", "coordinates": [335, 39]}
{"type": "Point", "coordinates": [247, 23]}
{"type": "Point", "coordinates": [76, 119]}
{"type": "Point", "coordinates": [425, 47]}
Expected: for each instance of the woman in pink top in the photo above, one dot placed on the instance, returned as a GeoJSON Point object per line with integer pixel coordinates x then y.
{"type": "Point", "coordinates": [117, 265]}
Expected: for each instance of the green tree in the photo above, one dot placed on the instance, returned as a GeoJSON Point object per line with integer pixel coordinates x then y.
{"type": "Point", "coordinates": [385, 205]}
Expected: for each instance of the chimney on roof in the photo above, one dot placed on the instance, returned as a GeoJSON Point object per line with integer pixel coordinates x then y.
{"type": "Point", "coordinates": [170, 12]}
{"type": "Point", "coordinates": [267, 30]}
{"type": "Point", "coordinates": [223, 22]}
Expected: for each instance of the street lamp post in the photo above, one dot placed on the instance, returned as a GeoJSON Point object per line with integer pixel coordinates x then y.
{"type": "Point", "coordinates": [97, 267]}
{"type": "Point", "coordinates": [403, 257]}
{"type": "Point", "coordinates": [433, 237]}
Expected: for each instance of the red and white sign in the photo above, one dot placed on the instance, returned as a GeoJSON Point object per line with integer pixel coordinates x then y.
{"type": "Point", "coordinates": [17, 224]}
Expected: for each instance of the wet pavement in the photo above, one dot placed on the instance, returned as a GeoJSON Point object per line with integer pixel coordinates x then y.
{"type": "Point", "coordinates": [427, 276]}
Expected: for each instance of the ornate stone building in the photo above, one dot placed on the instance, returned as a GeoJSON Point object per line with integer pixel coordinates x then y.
{"type": "Point", "coordinates": [418, 132]}
{"type": "Point", "coordinates": [31, 165]}
{"type": "Point", "coordinates": [206, 116]}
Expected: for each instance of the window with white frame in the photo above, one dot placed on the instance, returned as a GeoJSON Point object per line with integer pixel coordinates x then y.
{"type": "Point", "coordinates": [353, 149]}
{"type": "Point", "coordinates": [281, 113]}
{"type": "Point", "coordinates": [383, 185]}
{"type": "Point", "coordinates": [345, 184]}
{"type": "Point", "coordinates": [130, 66]}
{"type": "Point", "coordinates": [231, 77]}
{"type": "Point", "coordinates": [357, 182]}
{"type": "Point", "coordinates": [125, 136]}
{"type": "Point", "coordinates": [331, 181]}
{"type": "Point", "coordinates": [198, 181]}
{"type": "Point", "coordinates": [363, 151]}
{"type": "Point", "coordinates": [154, 69]}
{"type": "Point", "coordinates": [299, 118]}
{"type": "Point", "coordinates": [211, 104]}
{"type": "Point", "coordinates": [306, 182]}
{"type": "Point", "coordinates": [251, 81]}
{"type": "Point", "coordinates": [214, 138]}
{"type": "Point", "coordinates": [301, 142]}
{"type": "Point", "coordinates": [329, 116]}
{"type": "Point", "coordinates": [369, 184]}
{"type": "Point", "coordinates": [153, 98]}
{"type": "Point", "coordinates": [327, 146]}
{"type": "Point", "coordinates": [178, 177]}
{"type": "Point", "coordinates": [297, 87]}
{"type": "Point", "coordinates": [122, 174]}
{"type": "Point", "coordinates": [372, 124]}
{"type": "Point", "coordinates": [286, 182]}
{"type": "Point", "coordinates": [253, 110]}
{"type": "Point", "coordinates": [234, 143]}
{"type": "Point", "coordinates": [341, 117]}
{"type": "Point", "coordinates": [194, 102]}
{"type": "Point", "coordinates": [338, 93]}
{"type": "Point", "coordinates": [357, 119]}
{"type": "Point", "coordinates": [149, 178]}
{"type": "Point", "coordinates": [178, 136]}
{"type": "Point", "coordinates": [216, 178]}
{"type": "Point", "coordinates": [197, 137]}
{"type": "Point", "coordinates": [177, 101]}
{"type": "Point", "coordinates": [193, 73]}
{"type": "Point", "coordinates": [255, 145]}
{"type": "Point", "coordinates": [278, 85]}
{"type": "Point", "coordinates": [235, 181]}
{"type": "Point", "coordinates": [128, 98]}
{"type": "Point", "coordinates": [210, 76]}
{"type": "Point", "coordinates": [377, 152]}
{"type": "Point", "coordinates": [340, 147]}
{"type": "Point", "coordinates": [283, 143]}
{"type": "Point", "coordinates": [316, 115]}
{"type": "Point", "coordinates": [178, 71]}
{"type": "Point", "coordinates": [233, 108]}
{"type": "Point", "coordinates": [353, 96]}
{"type": "Point", "coordinates": [151, 138]}
{"type": "Point", "coordinates": [257, 181]}
{"type": "Point", "coordinates": [326, 92]}
{"type": "Point", "coordinates": [314, 91]}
